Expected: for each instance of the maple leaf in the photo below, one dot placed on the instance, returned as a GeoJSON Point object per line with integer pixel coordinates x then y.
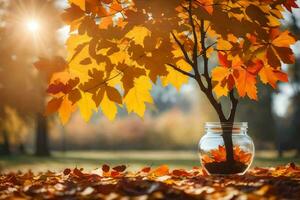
{"type": "Point", "coordinates": [240, 155]}
{"type": "Point", "coordinates": [48, 67]}
{"type": "Point", "coordinates": [224, 79]}
{"type": "Point", "coordinates": [108, 107]}
{"type": "Point", "coordinates": [65, 110]}
{"type": "Point", "coordinates": [130, 74]}
{"type": "Point", "coordinates": [71, 14]}
{"type": "Point", "coordinates": [224, 75]}
{"type": "Point", "coordinates": [138, 35]}
{"type": "Point", "coordinates": [219, 155]}
{"type": "Point", "coordinates": [161, 171]}
{"type": "Point", "coordinates": [289, 4]}
{"type": "Point", "coordinates": [246, 80]}
{"type": "Point", "coordinates": [120, 168]}
{"type": "Point", "coordinates": [271, 76]}
{"type": "Point", "coordinates": [86, 106]}
{"type": "Point", "coordinates": [80, 3]}
{"type": "Point", "coordinates": [139, 95]}
{"type": "Point", "coordinates": [280, 48]}
{"type": "Point", "coordinates": [206, 4]}
{"type": "Point", "coordinates": [53, 105]}
{"type": "Point", "coordinates": [176, 78]}
{"type": "Point", "coordinates": [236, 73]}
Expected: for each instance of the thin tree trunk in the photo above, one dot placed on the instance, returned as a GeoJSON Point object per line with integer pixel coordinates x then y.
{"type": "Point", "coordinates": [227, 138]}
{"type": "Point", "coordinates": [42, 145]}
{"type": "Point", "coordinates": [6, 143]}
{"type": "Point", "coordinates": [206, 85]}
{"type": "Point", "coordinates": [22, 149]}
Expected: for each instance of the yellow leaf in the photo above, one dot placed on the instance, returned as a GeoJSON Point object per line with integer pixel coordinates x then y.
{"type": "Point", "coordinates": [86, 106]}
{"type": "Point", "coordinates": [65, 110]}
{"type": "Point", "coordinates": [220, 91]}
{"type": "Point", "coordinates": [108, 107]}
{"type": "Point", "coordinates": [138, 34]}
{"type": "Point", "coordinates": [273, 21]}
{"type": "Point", "coordinates": [119, 57]}
{"type": "Point", "coordinates": [285, 39]}
{"type": "Point", "coordinates": [75, 57]}
{"type": "Point", "coordinates": [177, 53]}
{"type": "Point", "coordinates": [73, 41]}
{"type": "Point", "coordinates": [139, 95]}
{"type": "Point", "coordinates": [79, 3]}
{"type": "Point", "coordinates": [218, 75]}
{"type": "Point", "coordinates": [176, 78]}
{"type": "Point", "coordinates": [224, 45]}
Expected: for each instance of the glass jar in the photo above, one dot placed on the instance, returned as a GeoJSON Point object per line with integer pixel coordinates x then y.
{"type": "Point", "coordinates": [213, 150]}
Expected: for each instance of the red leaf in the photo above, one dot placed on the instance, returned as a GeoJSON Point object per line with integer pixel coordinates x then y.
{"type": "Point", "coordinates": [289, 4]}
{"type": "Point", "coordinates": [120, 168]}
{"type": "Point", "coordinates": [67, 171]}
{"type": "Point", "coordinates": [180, 172]}
{"type": "Point", "coordinates": [105, 168]}
{"type": "Point", "coordinates": [223, 60]}
{"type": "Point", "coordinates": [78, 173]}
{"type": "Point", "coordinates": [146, 169]}
{"type": "Point", "coordinates": [115, 173]}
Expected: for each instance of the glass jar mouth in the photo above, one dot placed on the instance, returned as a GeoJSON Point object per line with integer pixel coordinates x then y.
{"type": "Point", "coordinates": [226, 124]}
{"type": "Point", "coordinates": [221, 127]}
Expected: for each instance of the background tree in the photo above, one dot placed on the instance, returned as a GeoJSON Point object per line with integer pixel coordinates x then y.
{"type": "Point", "coordinates": [289, 126]}
{"type": "Point", "coordinates": [21, 42]}
{"type": "Point", "coordinates": [117, 49]}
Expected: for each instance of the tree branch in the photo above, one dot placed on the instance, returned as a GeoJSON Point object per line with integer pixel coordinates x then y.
{"type": "Point", "coordinates": [204, 55]}
{"type": "Point", "coordinates": [234, 104]}
{"type": "Point", "coordinates": [208, 91]}
{"type": "Point", "coordinates": [181, 71]}
{"type": "Point", "coordinates": [195, 48]}
{"type": "Point", "coordinates": [181, 46]}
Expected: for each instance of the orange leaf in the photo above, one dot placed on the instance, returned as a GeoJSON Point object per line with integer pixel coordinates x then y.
{"type": "Point", "coordinates": [269, 75]}
{"type": "Point", "coordinates": [207, 159]}
{"type": "Point", "coordinates": [246, 84]}
{"type": "Point", "coordinates": [161, 171]}
{"type": "Point", "coordinates": [206, 4]}
{"type": "Point", "coordinates": [219, 155]}
{"type": "Point", "coordinates": [284, 39]}
{"type": "Point", "coordinates": [65, 110]}
{"type": "Point", "coordinates": [53, 105]}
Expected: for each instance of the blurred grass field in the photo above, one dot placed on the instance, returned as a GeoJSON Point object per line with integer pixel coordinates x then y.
{"type": "Point", "coordinates": [90, 160]}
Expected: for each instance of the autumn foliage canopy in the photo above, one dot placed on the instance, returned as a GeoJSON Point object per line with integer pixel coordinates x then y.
{"type": "Point", "coordinates": [118, 48]}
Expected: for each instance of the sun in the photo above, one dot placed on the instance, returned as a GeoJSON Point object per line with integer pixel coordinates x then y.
{"type": "Point", "coordinates": [32, 25]}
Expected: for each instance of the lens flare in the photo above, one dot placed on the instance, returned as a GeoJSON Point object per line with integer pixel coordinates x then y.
{"type": "Point", "coordinates": [33, 25]}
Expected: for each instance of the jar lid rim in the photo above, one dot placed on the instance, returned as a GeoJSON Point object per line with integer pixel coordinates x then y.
{"type": "Point", "coordinates": [226, 124]}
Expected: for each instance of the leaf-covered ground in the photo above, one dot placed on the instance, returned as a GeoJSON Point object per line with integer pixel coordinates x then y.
{"type": "Point", "coordinates": [107, 182]}
{"type": "Point", "coordinates": [89, 160]}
